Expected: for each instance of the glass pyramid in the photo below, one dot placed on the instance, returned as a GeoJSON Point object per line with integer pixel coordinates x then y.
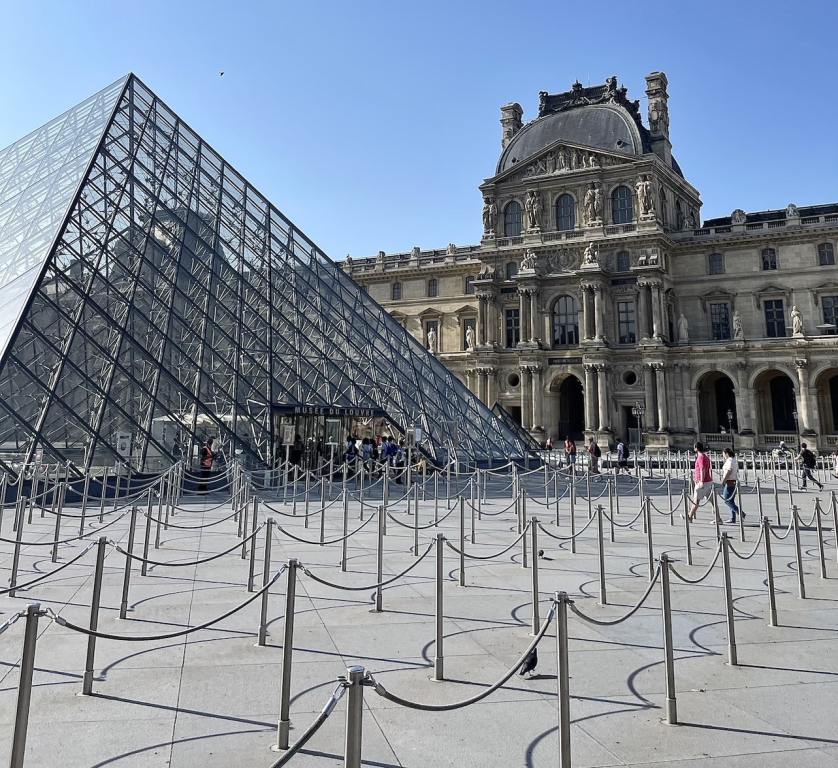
{"type": "Point", "coordinates": [147, 289]}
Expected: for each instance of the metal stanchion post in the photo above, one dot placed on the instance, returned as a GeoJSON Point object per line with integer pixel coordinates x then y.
{"type": "Point", "coordinates": [57, 513]}
{"type": "Point", "coordinates": [669, 498]}
{"type": "Point", "coordinates": [416, 522]}
{"type": "Point", "coordinates": [821, 554]}
{"type": "Point", "coordinates": [244, 520]}
{"type": "Point", "coordinates": [322, 514]}
{"type": "Point", "coordinates": [612, 489]}
{"type": "Point", "coordinates": [266, 577]}
{"type": "Point", "coordinates": [769, 572]}
{"type": "Point", "coordinates": [24, 686]}
{"type": "Point", "coordinates": [776, 499]}
{"type": "Point", "coordinates": [833, 502]}
{"type": "Point", "coordinates": [126, 579]}
{"type": "Point", "coordinates": [563, 678]}
{"type": "Point", "coordinates": [572, 512]}
{"type": "Point", "coordinates": [251, 569]}
{"type": "Point", "coordinates": [20, 512]}
{"type": "Point", "coordinates": [160, 496]}
{"type": "Point", "coordinates": [669, 656]}
{"type": "Point", "coordinates": [759, 497]}
{"type": "Point", "coordinates": [462, 541]}
{"type": "Point", "coordinates": [536, 619]}
{"type": "Point", "coordinates": [436, 497]}
{"type": "Point", "coordinates": [345, 543]}
{"type": "Point", "coordinates": [287, 655]}
{"type": "Point", "coordinates": [439, 659]}
{"type": "Point", "coordinates": [731, 630]}
{"type": "Point", "coordinates": [556, 492]}
{"type": "Point", "coordinates": [649, 543]}
{"type": "Point", "coordinates": [603, 598]}
{"type": "Point", "coordinates": [354, 717]}
{"type": "Point", "coordinates": [801, 586]}
{"type": "Point", "coordinates": [146, 541]}
{"type": "Point", "coordinates": [687, 528]}
{"type": "Point", "coordinates": [104, 494]}
{"type": "Point", "coordinates": [524, 524]}
{"type": "Point", "coordinates": [379, 569]}
{"type": "Point", "coordinates": [87, 680]}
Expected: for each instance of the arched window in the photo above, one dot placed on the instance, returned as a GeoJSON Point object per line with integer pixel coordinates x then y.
{"type": "Point", "coordinates": [664, 210]}
{"type": "Point", "coordinates": [511, 269]}
{"type": "Point", "coordinates": [565, 322]}
{"type": "Point", "coordinates": [565, 213]}
{"type": "Point", "coordinates": [679, 216]}
{"type": "Point", "coordinates": [396, 291]}
{"type": "Point", "coordinates": [468, 285]}
{"type": "Point", "coordinates": [769, 259]}
{"type": "Point", "coordinates": [512, 222]}
{"type": "Point", "coordinates": [716, 264]}
{"type": "Point", "coordinates": [622, 207]}
{"type": "Point", "coordinates": [623, 261]}
{"type": "Point", "coordinates": [433, 288]}
{"type": "Point", "coordinates": [826, 255]}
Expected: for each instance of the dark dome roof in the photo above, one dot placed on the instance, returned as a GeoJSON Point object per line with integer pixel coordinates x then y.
{"type": "Point", "coordinates": [605, 126]}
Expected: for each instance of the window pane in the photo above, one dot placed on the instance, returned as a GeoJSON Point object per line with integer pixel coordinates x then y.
{"type": "Point", "coordinates": [512, 220]}
{"type": "Point", "coordinates": [830, 312]}
{"type": "Point", "coordinates": [511, 269]}
{"type": "Point", "coordinates": [769, 259]}
{"type": "Point", "coordinates": [565, 213]}
{"type": "Point", "coordinates": [565, 322]}
{"type": "Point", "coordinates": [432, 287]}
{"type": "Point", "coordinates": [826, 255]}
{"type": "Point", "coordinates": [716, 264]}
{"type": "Point", "coordinates": [469, 284]}
{"type": "Point", "coordinates": [720, 321]}
{"type": "Point", "coordinates": [775, 319]}
{"type": "Point", "coordinates": [625, 318]}
{"type": "Point", "coordinates": [623, 261]}
{"type": "Point", "coordinates": [622, 210]}
{"type": "Point", "coordinates": [513, 327]}
{"type": "Point", "coordinates": [396, 291]}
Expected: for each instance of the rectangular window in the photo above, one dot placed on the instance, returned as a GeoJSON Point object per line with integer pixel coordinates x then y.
{"type": "Point", "coordinates": [769, 259]}
{"type": "Point", "coordinates": [625, 320]}
{"type": "Point", "coordinates": [775, 319]}
{"type": "Point", "coordinates": [720, 321]}
{"type": "Point", "coordinates": [513, 326]}
{"type": "Point", "coordinates": [469, 322]}
{"type": "Point", "coordinates": [830, 315]}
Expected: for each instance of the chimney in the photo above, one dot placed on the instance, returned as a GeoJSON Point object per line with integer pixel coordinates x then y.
{"type": "Point", "coordinates": [510, 120]}
{"type": "Point", "coordinates": [658, 97]}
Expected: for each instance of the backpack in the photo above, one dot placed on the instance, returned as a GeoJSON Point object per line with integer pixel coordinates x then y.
{"type": "Point", "coordinates": [808, 458]}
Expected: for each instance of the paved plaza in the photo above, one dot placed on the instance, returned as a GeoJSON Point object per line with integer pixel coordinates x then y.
{"type": "Point", "coordinates": [211, 697]}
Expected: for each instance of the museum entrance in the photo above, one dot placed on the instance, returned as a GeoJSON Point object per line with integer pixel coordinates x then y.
{"type": "Point", "coordinates": [571, 409]}
{"type": "Point", "coordinates": [310, 436]}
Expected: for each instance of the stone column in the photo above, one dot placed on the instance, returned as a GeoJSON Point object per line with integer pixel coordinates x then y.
{"type": "Point", "coordinates": [663, 411]}
{"type": "Point", "coordinates": [491, 394]}
{"type": "Point", "coordinates": [481, 321]}
{"type": "Point", "coordinates": [599, 314]}
{"type": "Point", "coordinates": [649, 388]}
{"type": "Point", "coordinates": [533, 315]}
{"type": "Point", "coordinates": [586, 312]}
{"type": "Point", "coordinates": [745, 417]}
{"type": "Point", "coordinates": [602, 396]}
{"type": "Point", "coordinates": [526, 396]}
{"type": "Point", "coordinates": [481, 384]}
{"type": "Point", "coordinates": [803, 406]}
{"type": "Point", "coordinates": [655, 289]}
{"type": "Point", "coordinates": [590, 398]}
{"type": "Point", "coordinates": [642, 310]}
{"type": "Point", "coordinates": [491, 321]}
{"type": "Point", "coordinates": [470, 380]}
{"type": "Point", "coordinates": [523, 320]}
{"type": "Point", "coordinates": [537, 397]}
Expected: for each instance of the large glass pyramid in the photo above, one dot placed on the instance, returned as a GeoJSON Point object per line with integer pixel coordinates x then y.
{"type": "Point", "coordinates": [145, 285]}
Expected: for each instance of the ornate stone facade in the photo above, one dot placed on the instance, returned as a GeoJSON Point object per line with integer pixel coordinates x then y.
{"type": "Point", "coordinates": [595, 294]}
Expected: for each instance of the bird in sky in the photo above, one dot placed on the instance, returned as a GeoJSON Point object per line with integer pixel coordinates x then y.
{"type": "Point", "coordinates": [529, 663]}
{"type": "Point", "coordinates": [221, 73]}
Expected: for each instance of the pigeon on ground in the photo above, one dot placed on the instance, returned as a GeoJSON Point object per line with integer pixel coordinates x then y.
{"type": "Point", "coordinates": [529, 664]}
{"type": "Point", "coordinates": [541, 553]}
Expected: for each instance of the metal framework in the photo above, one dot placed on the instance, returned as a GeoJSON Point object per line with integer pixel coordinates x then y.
{"type": "Point", "coordinates": [148, 292]}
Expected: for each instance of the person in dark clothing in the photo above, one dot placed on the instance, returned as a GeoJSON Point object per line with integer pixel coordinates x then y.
{"type": "Point", "coordinates": [807, 464]}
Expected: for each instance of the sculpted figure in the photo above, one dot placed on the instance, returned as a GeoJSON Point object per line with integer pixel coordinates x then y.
{"type": "Point", "coordinates": [432, 339]}
{"type": "Point", "coordinates": [738, 216]}
{"type": "Point", "coordinates": [528, 261]}
{"type": "Point", "coordinates": [644, 196]}
{"type": "Point", "coordinates": [348, 263]}
{"type": "Point", "coordinates": [797, 327]}
{"type": "Point", "coordinates": [469, 337]}
{"type": "Point", "coordinates": [490, 212]}
{"type": "Point", "coordinates": [792, 211]}
{"type": "Point", "coordinates": [591, 254]}
{"type": "Point", "coordinates": [683, 329]}
{"type": "Point", "coordinates": [533, 210]}
{"type": "Point", "coordinates": [451, 249]}
{"type": "Point", "coordinates": [598, 203]}
{"type": "Point", "coordinates": [738, 333]}
{"type": "Point", "coordinates": [562, 162]}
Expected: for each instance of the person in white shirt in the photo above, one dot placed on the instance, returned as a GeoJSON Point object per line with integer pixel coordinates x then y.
{"type": "Point", "coordinates": [730, 476]}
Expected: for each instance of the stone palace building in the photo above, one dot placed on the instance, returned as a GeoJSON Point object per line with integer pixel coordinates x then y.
{"type": "Point", "coordinates": [598, 303]}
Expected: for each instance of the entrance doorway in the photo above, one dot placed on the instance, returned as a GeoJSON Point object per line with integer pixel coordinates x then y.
{"type": "Point", "coordinates": [571, 408]}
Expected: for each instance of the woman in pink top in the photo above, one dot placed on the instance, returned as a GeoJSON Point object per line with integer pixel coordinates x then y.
{"type": "Point", "coordinates": [702, 477]}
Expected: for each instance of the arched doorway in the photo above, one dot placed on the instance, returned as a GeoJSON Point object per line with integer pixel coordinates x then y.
{"type": "Point", "coordinates": [828, 401]}
{"type": "Point", "coordinates": [571, 407]}
{"type": "Point", "coordinates": [776, 405]}
{"type": "Point", "coordinates": [716, 398]}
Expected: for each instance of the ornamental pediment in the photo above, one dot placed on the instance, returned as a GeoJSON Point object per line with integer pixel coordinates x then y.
{"type": "Point", "coordinates": [559, 160]}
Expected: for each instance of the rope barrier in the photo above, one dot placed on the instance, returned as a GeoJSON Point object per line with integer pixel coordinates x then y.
{"type": "Point", "coordinates": [567, 538]}
{"type": "Point", "coordinates": [753, 551]}
{"type": "Point", "coordinates": [328, 541]}
{"type": "Point", "coordinates": [624, 525]}
{"type": "Point", "coordinates": [52, 543]}
{"type": "Point", "coordinates": [621, 619]}
{"type": "Point", "coordinates": [705, 574]}
{"type": "Point", "coordinates": [422, 527]}
{"type": "Point", "coordinates": [385, 694]}
{"type": "Point", "coordinates": [11, 620]}
{"type": "Point", "coordinates": [43, 576]}
{"type": "Point", "coordinates": [788, 530]}
{"type": "Point", "coordinates": [486, 557]}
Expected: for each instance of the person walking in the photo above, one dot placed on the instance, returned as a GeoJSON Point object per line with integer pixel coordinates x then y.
{"type": "Point", "coordinates": [207, 459]}
{"type": "Point", "coordinates": [702, 477]}
{"type": "Point", "coordinates": [570, 451]}
{"type": "Point", "coordinates": [594, 453]}
{"type": "Point", "coordinates": [730, 478]}
{"type": "Point", "coordinates": [807, 464]}
{"type": "Point", "coordinates": [622, 457]}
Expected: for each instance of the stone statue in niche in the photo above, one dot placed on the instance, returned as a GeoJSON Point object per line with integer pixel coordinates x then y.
{"type": "Point", "coordinates": [644, 197]}
{"type": "Point", "coordinates": [432, 339]}
{"type": "Point", "coordinates": [797, 325]}
{"type": "Point", "coordinates": [469, 337]}
{"type": "Point", "coordinates": [593, 161]}
{"type": "Point", "coordinates": [738, 333]}
{"type": "Point", "coordinates": [690, 221]}
{"type": "Point", "coordinates": [683, 329]}
{"type": "Point", "coordinates": [533, 210]}
{"type": "Point", "coordinates": [490, 212]}
{"type": "Point", "coordinates": [738, 217]}
{"type": "Point", "coordinates": [598, 203]}
{"type": "Point", "coordinates": [528, 261]}
{"type": "Point", "coordinates": [578, 159]}
{"type": "Point", "coordinates": [591, 254]}
{"type": "Point", "coordinates": [592, 204]}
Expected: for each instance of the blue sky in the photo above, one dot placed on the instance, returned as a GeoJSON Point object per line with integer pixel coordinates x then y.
{"type": "Point", "coordinates": [371, 124]}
